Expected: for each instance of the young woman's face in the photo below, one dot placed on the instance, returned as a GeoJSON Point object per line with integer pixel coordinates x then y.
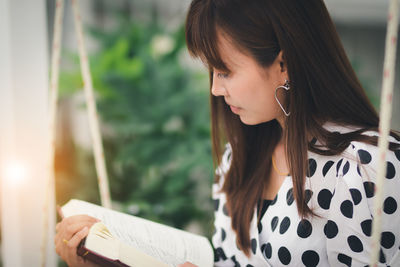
{"type": "Point", "coordinates": [249, 88]}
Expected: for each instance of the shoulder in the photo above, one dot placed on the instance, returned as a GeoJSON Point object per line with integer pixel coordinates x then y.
{"type": "Point", "coordinates": [352, 174]}
{"type": "Point", "coordinates": [362, 156]}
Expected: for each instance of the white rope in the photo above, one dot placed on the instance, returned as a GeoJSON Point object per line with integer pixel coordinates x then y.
{"type": "Point", "coordinates": [93, 117]}
{"type": "Point", "coordinates": [52, 110]}
{"type": "Point", "coordinates": [384, 124]}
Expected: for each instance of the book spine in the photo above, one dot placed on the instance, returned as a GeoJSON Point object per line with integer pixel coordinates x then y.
{"type": "Point", "coordinates": [97, 258]}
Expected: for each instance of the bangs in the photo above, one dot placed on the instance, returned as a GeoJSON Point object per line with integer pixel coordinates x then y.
{"type": "Point", "coordinates": [201, 36]}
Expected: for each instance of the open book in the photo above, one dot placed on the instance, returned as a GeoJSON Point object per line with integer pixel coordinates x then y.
{"type": "Point", "coordinates": [124, 240]}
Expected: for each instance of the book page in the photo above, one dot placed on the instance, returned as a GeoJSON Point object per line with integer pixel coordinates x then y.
{"type": "Point", "coordinates": [103, 244]}
{"type": "Point", "coordinates": [167, 244]}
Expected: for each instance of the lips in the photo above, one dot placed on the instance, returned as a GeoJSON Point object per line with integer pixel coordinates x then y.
{"type": "Point", "coordinates": [234, 109]}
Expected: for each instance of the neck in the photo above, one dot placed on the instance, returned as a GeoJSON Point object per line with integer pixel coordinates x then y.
{"type": "Point", "coordinates": [281, 121]}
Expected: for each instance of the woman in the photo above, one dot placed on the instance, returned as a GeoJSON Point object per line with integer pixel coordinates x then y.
{"type": "Point", "coordinates": [302, 138]}
{"type": "Point", "coordinates": [295, 185]}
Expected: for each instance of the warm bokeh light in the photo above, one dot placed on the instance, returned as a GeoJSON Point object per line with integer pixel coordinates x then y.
{"type": "Point", "coordinates": [15, 172]}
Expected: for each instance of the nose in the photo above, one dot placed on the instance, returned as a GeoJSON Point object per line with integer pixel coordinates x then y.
{"type": "Point", "coordinates": [217, 88]}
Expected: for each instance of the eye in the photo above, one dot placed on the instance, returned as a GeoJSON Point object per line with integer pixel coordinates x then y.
{"type": "Point", "coordinates": [222, 75]}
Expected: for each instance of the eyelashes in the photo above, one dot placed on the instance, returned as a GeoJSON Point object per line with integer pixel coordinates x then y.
{"type": "Point", "coordinates": [222, 75]}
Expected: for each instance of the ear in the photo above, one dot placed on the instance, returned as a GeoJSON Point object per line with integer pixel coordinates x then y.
{"type": "Point", "coordinates": [281, 59]}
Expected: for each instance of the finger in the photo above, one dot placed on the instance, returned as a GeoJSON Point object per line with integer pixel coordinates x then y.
{"type": "Point", "coordinates": [187, 264]}
{"type": "Point", "coordinates": [66, 231]}
{"type": "Point", "coordinates": [78, 218]}
{"type": "Point", "coordinates": [59, 246]}
{"type": "Point", "coordinates": [63, 226]}
{"type": "Point", "coordinates": [71, 256]}
{"type": "Point", "coordinates": [72, 229]}
{"type": "Point", "coordinates": [57, 239]}
{"type": "Point", "coordinates": [60, 212]}
{"type": "Point", "coordinates": [74, 241]}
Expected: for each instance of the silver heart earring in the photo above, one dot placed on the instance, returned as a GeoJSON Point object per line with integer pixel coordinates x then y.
{"type": "Point", "coordinates": [287, 88]}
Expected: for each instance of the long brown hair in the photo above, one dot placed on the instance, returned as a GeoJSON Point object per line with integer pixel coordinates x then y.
{"type": "Point", "coordinates": [324, 88]}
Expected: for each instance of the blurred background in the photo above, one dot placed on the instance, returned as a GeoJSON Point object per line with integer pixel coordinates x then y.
{"type": "Point", "coordinates": [153, 104]}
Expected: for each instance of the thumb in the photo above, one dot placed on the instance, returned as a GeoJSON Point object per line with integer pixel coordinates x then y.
{"type": "Point", "coordinates": [186, 264]}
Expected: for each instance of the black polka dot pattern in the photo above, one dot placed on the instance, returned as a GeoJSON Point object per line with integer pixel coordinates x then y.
{"type": "Point", "coordinates": [327, 166]}
{"type": "Point", "coordinates": [365, 156]}
{"type": "Point", "coordinates": [355, 195]}
{"type": "Point", "coordinates": [237, 264]}
{"type": "Point", "coordinates": [331, 229]}
{"type": "Point", "coordinates": [347, 209]}
{"type": "Point", "coordinates": [389, 205]}
{"type": "Point", "coordinates": [308, 195]}
{"type": "Point", "coordinates": [225, 210]}
{"type": "Point", "coordinates": [382, 258]}
{"type": "Point", "coordinates": [274, 223]}
{"type": "Point", "coordinates": [390, 170]}
{"type": "Point", "coordinates": [304, 228]}
{"type": "Point", "coordinates": [223, 234]}
{"type": "Point", "coordinates": [289, 197]}
{"type": "Point", "coordinates": [355, 243]}
{"type": "Point", "coordinates": [254, 245]}
{"type": "Point", "coordinates": [346, 168]}
{"type": "Point", "coordinates": [285, 223]}
{"type": "Point", "coordinates": [358, 170]}
{"type": "Point", "coordinates": [310, 258]}
{"type": "Point", "coordinates": [369, 188]}
{"type": "Point", "coordinates": [387, 240]}
{"type": "Point", "coordinates": [366, 227]}
{"type": "Point", "coordinates": [312, 166]}
{"type": "Point", "coordinates": [216, 204]}
{"type": "Point", "coordinates": [397, 153]}
{"type": "Point", "coordinates": [284, 255]}
{"type": "Point", "coordinates": [324, 198]}
{"type": "Point", "coordinates": [338, 164]}
{"type": "Point", "coordinates": [259, 227]}
{"type": "Point", "coordinates": [267, 250]}
{"type": "Point", "coordinates": [219, 254]}
{"type": "Point", "coordinates": [344, 259]}
{"type": "Point", "coordinates": [339, 189]}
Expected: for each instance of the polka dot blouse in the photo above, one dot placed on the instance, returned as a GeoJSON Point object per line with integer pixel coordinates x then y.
{"type": "Point", "coordinates": [338, 188]}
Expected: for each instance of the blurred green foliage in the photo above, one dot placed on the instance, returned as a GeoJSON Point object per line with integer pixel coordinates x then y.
{"type": "Point", "coordinates": [158, 150]}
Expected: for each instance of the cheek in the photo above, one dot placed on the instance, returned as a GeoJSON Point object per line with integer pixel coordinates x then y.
{"type": "Point", "coordinates": [263, 94]}
{"type": "Point", "coordinates": [253, 92]}
{"type": "Point", "coordinates": [264, 104]}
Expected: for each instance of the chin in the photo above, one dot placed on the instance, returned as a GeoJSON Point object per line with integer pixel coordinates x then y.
{"type": "Point", "coordinates": [248, 121]}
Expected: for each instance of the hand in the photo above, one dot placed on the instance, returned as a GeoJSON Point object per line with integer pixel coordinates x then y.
{"type": "Point", "coordinates": [187, 264]}
{"type": "Point", "coordinates": [69, 233]}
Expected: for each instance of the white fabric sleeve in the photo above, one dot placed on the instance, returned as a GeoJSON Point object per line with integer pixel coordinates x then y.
{"type": "Point", "coordinates": [349, 224]}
